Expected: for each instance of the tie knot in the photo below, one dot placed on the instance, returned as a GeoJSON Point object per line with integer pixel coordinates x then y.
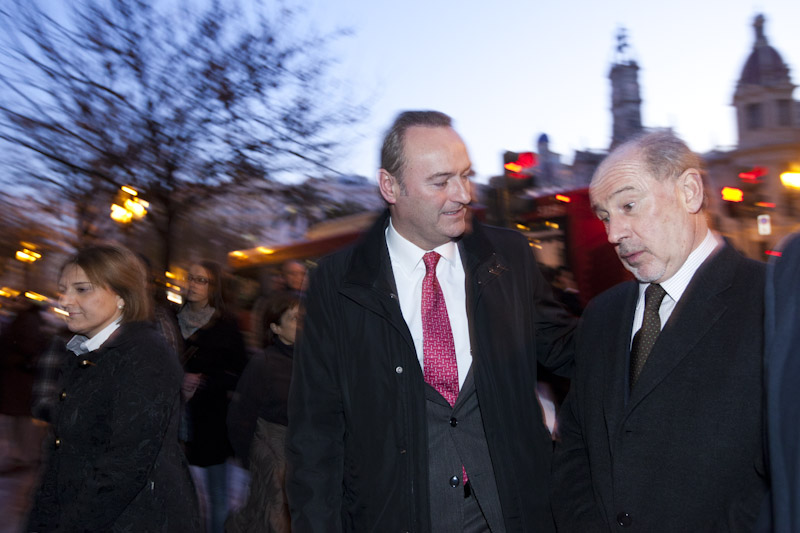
{"type": "Point", "coordinates": [654, 293]}
{"type": "Point", "coordinates": [431, 259]}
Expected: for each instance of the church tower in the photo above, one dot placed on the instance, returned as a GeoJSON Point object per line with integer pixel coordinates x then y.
{"type": "Point", "coordinates": [765, 110]}
{"type": "Point", "coordinates": [625, 99]}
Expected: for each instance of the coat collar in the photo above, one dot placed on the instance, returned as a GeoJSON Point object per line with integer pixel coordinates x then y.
{"type": "Point", "coordinates": [370, 266]}
{"type": "Point", "coordinates": [369, 279]}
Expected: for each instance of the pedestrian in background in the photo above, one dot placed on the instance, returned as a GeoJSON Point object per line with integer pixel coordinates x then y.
{"type": "Point", "coordinates": [213, 359]}
{"type": "Point", "coordinates": [257, 421]}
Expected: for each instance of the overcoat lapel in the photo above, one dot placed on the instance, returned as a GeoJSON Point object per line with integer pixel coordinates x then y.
{"type": "Point", "coordinates": [697, 312]}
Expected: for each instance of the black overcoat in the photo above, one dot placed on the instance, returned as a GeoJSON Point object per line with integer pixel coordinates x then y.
{"type": "Point", "coordinates": [684, 453]}
{"type": "Point", "coordinates": [114, 460]}
{"type": "Point", "coordinates": [357, 445]}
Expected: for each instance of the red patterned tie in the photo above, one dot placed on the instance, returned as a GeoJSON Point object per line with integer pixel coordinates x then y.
{"type": "Point", "coordinates": [439, 352]}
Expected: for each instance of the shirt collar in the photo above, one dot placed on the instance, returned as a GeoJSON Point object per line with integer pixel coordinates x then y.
{"type": "Point", "coordinates": [676, 285]}
{"type": "Point", "coordinates": [80, 344]}
{"type": "Point", "coordinates": [408, 256]}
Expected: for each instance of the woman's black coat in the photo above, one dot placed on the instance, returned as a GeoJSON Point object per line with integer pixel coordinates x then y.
{"type": "Point", "coordinates": [115, 463]}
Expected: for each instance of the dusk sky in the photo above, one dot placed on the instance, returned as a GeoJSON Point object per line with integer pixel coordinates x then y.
{"type": "Point", "coordinates": [508, 70]}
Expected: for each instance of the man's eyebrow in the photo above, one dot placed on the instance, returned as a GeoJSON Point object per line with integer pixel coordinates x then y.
{"type": "Point", "coordinates": [439, 175]}
{"type": "Point", "coordinates": [469, 172]}
{"type": "Point", "coordinates": [596, 207]}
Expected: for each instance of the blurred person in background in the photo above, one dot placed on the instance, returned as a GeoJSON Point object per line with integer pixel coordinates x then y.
{"type": "Point", "coordinates": [21, 344]}
{"type": "Point", "coordinates": [565, 289]}
{"type": "Point", "coordinates": [294, 276]}
{"type": "Point", "coordinates": [257, 421]}
{"type": "Point", "coordinates": [163, 313]}
{"type": "Point", "coordinates": [114, 461]}
{"type": "Point", "coordinates": [213, 359]}
{"type": "Point", "coordinates": [662, 428]}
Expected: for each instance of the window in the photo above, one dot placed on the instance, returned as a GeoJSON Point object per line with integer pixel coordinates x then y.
{"type": "Point", "coordinates": [784, 112]}
{"type": "Point", "coordinates": [755, 120]}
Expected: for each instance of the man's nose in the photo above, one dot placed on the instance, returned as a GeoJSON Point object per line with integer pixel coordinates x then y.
{"type": "Point", "coordinates": [616, 229]}
{"type": "Point", "coordinates": [462, 191]}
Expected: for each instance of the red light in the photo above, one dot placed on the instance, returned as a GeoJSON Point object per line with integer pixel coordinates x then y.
{"type": "Point", "coordinates": [731, 194]}
{"type": "Point", "coordinates": [770, 205]}
{"type": "Point", "coordinates": [562, 198]}
{"type": "Point", "coordinates": [753, 175]}
{"type": "Point", "coordinates": [773, 253]}
{"type": "Point", "coordinates": [524, 161]}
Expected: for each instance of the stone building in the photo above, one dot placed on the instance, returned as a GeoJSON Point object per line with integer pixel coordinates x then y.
{"type": "Point", "coordinates": [768, 125]}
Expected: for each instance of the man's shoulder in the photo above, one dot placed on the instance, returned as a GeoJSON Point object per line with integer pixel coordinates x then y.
{"type": "Point", "coordinates": [611, 298]}
{"type": "Point", "coordinates": [500, 236]}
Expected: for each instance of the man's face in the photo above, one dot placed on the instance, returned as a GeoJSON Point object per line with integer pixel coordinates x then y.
{"type": "Point", "coordinates": [430, 207]}
{"type": "Point", "coordinates": [646, 220]}
{"type": "Point", "coordinates": [295, 275]}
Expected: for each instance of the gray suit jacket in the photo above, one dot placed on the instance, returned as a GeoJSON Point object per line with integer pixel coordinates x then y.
{"type": "Point", "coordinates": [684, 452]}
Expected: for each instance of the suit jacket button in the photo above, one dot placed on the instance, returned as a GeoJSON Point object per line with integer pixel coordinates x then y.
{"type": "Point", "coordinates": [454, 421]}
{"type": "Point", "coordinates": [58, 442]}
{"type": "Point", "coordinates": [454, 481]}
{"type": "Point", "coordinates": [85, 363]}
{"type": "Point", "coordinates": [63, 395]}
{"type": "Point", "coordinates": [399, 370]}
{"type": "Point", "coordinates": [624, 519]}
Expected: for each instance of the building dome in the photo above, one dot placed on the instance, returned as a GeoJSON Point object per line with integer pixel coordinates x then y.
{"type": "Point", "coordinates": [765, 65]}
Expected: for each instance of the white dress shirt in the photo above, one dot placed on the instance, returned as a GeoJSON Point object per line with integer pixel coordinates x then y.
{"type": "Point", "coordinates": [676, 285]}
{"type": "Point", "coordinates": [89, 345]}
{"type": "Point", "coordinates": [409, 270]}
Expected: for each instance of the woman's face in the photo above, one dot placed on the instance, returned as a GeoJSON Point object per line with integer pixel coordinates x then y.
{"type": "Point", "coordinates": [286, 328]}
{"type": "Point", "coordinates": [198, 281]}
{"type": "Point", "coordinates": [91, 307]}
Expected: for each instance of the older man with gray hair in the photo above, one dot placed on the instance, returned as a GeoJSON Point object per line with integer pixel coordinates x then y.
{"type": "Point", "coordinates": [662, 428]}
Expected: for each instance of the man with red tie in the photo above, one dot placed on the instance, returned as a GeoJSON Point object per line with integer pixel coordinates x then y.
{"type": "Point", "coordinates": [412, 405]}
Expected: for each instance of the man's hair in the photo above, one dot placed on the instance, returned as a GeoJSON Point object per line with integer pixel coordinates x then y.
{"type": "Point", "coordinates": [119, 270]}
{"type": "Point", "coordinates": [392, 152]}
{"type": "Point", "coordinates": [663, 153]}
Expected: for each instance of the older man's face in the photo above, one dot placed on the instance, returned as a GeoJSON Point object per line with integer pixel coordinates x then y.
{"type": "Point", "coordinates": [646, 220]}
{"type": "Point", "coordinates": [430, 207]}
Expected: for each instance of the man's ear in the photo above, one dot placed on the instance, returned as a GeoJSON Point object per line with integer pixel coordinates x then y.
{"type": "Point", "coordinates": [691, 186]}
{"type": "Point", "coordinates": [388, 186]}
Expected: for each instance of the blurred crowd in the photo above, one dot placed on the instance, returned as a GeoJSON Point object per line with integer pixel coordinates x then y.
{"type": "Point", "coordinates": [232, 366]}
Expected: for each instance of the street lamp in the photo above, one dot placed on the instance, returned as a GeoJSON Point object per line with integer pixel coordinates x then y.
{"type": "Point", "coordinates": [132, 207]}
{"type": "Point", "coordinates": [27, 255]}
{"type": "Point", "coordinates": [791, 180]}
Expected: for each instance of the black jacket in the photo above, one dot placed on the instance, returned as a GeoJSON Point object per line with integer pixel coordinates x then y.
{"type": "Point", "coordinates": [217, 351]}
{"type": "Point", "coordinates": [262, 392]}
{"type": "Point", "coordinates": [357, 446]}
{"type": "Point", "coordinates": [114, 461]}
{"type": "Point", "coordinates": [685, 452]}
